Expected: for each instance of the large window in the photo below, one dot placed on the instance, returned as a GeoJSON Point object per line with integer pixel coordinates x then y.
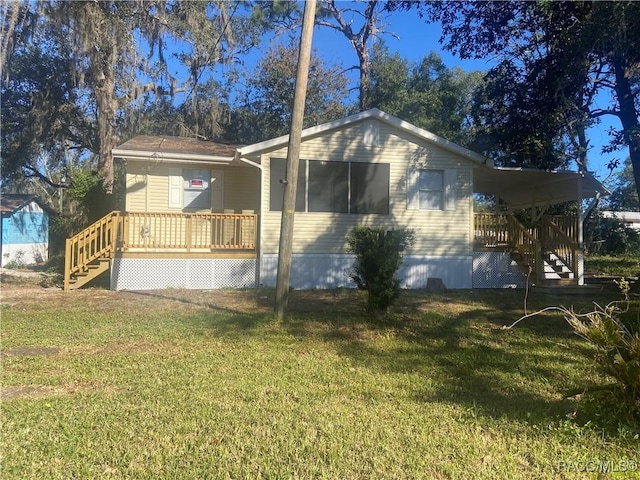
{"type": "Point", "coordinates": [337, 187]}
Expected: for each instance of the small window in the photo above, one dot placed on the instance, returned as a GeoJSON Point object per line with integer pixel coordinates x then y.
{"type": "Point", "coordinates": [431, 189]}
{"type": "Point", "coordinates": [328, 186]}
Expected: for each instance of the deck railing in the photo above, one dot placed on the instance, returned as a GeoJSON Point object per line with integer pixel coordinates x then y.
{"type": "Point", "coordinates": [158, 232]}
{"type": "Point", "coordinates": [522, 242]}
{"type": "Point", "coordinates": [555, 235]}
{"type": "Point", "coordinates": [491, 230]}
{"type": "Point", "coordinates": [189, 232]}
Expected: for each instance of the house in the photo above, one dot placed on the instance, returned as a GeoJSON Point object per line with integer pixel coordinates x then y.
{"type": "Point", "coordinates": [25, 230]}
{"type": "Point", "coordinates": [630, 219]}
{"type": "Point", "coordinates": [205, 215]}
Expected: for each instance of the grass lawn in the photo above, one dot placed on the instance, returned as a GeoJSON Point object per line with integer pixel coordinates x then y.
{"type": "Point", "coordinates": [178, 384]}
{"type": "Point", "coordinates": [622, 265]}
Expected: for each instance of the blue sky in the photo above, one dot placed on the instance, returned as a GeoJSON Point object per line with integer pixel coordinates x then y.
{"type": "Point", "coordinates": [416, 38]}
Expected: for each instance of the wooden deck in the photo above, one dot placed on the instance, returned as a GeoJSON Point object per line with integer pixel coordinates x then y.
{"type": "Point", "coordinates": [215, 235]}
{"type": "Point", "coordinates": [549, 249]}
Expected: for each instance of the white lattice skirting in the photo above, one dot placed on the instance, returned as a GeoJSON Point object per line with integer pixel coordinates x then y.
{"type": "Point", "coordinates": [496, 270]}
{"type": "Point", "coordinates": [197, 273]}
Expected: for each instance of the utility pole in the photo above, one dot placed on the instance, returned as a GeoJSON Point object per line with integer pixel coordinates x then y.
{"type": "Point", "coordinates": [293, 157]}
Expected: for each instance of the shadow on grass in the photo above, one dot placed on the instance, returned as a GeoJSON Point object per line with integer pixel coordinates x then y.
{"type": "Point", "coordinates": [463, 353]}
{"type": "Point", "coordinates": [455, 342]}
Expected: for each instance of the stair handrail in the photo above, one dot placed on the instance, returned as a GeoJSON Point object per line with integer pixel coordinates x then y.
{"type": "Point", "coordinates": [98, 240]}
{"type": "Point", "coordinates": [556, 241]}
{"type": "Point", "coordinates": [523, 242]}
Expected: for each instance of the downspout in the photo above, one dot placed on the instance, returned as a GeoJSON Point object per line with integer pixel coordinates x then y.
{"type": "Point", "coordinates": [260, 213]}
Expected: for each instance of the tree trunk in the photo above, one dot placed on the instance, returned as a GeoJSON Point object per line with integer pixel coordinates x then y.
{"type": "Point", "coordinates": [628, 116]}
{"type": "Point", "coordinates": [105, 120]}
{"type": "Point", "coordinates": [365, 74]}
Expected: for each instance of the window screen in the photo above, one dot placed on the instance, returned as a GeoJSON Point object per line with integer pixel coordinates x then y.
{"type": "Point", "coordinates": [328, 186]}
{"type": "Point", "coordinates": [370, 188]}
{"type": "Point", "coordinates": [276, 188]}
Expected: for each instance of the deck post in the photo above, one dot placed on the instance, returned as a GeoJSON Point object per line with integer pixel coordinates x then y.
{"type": "Point", "coordinates": [188, 229]}
{"type": "Point", "coordinates": [67, 264]}
{"type": "Point", "coordinates": [539, 264]}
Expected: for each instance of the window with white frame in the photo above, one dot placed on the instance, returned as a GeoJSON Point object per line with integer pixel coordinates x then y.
{"type": "Point", "coordinates": [431, 189]}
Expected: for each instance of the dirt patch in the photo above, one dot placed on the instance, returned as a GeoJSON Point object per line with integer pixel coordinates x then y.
{"type": "Point", "coordinates": [27, 392]}
{"type": "Point", "coordinates": [30, 351]}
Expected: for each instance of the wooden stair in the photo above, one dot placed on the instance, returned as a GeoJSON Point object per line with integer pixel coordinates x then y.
{"type": "Point", "coordinates": [91, 271]}
{"type": "Point", "coordinates": [88, 254]}
{"type": "Point", "coordinates": [556, 273]}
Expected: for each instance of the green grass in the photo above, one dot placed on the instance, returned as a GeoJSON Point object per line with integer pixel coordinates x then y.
{"type": "Point", "coordinates": [619, 266]}
{"type": "Point", "coordinates": [207, 385]}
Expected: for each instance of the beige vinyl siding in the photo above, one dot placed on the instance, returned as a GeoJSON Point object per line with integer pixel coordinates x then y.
{"type": "Point", "coordinates": [437, 232]}
{"type": "Point", "coordinates": [148, 187]}
{"type": "Point", "coordinates": [135, 188]}
{"type": "Point", "coordinates": [242, 188]}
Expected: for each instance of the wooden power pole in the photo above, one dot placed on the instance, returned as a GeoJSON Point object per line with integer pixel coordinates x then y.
{"type": "Point", "coordinates": [293, 156]}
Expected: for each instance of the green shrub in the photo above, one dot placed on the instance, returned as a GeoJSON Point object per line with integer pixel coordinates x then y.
{"type": "Point", "coordinates": [613, 333]}
{"type": "Point", "coordinates": [17, 262]}
{"type": "Point", "coordinates": [379, 254]}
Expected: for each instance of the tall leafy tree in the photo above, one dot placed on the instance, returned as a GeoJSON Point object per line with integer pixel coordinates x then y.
{"type": "Point", "coordinates": [46, 120]}
{"type": "Point", "coordinates": [264, 110]}
{"type": "Point", "coordinates": [359, 26]}
{"type": "Point", "coordinates": [360, 22]}
{"type": "Point", "coordinates": [119, 55]}
{"type": "Point", "coordinates": [558, 60]}
{"type": "Point", "coordinates": [427, 93]}
{"type": "Point", "coordinates": [624, 195]}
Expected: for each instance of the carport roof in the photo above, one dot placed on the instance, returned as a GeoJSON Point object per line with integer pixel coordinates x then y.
{"type": "Point", "coordinates": [521, 187]}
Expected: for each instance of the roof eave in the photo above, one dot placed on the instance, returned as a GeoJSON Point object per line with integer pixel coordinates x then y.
{"type": "Point", "coordinates": [171, 156]}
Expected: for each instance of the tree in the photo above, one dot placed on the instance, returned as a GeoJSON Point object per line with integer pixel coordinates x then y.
{"type": "Point", "coordinates": [265, 109]}
{"type": "Point", "coordinates": [624, 195]}
{"type": "Point", "coordinates": [557, 60]}
{"type": "Point", "coordinates": [427, 94]}
{"type": "Point", "coordinates": [45, 119]}
{"type": "Point", "coordinates": [341, 18]}
{"type": "Point", "coordinates": [360, 22]}
{"type": "Point", "coordinates": [117, 52]}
